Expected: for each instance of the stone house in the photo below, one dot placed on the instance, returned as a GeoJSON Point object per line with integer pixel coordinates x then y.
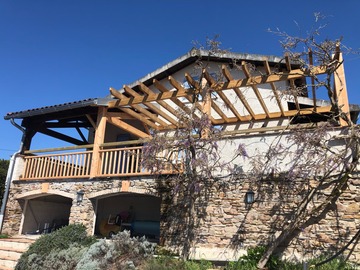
{"type": "Point", "coordinates": [100, 179]}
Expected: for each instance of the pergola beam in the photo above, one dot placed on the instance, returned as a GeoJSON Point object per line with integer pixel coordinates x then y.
{"type": "Point", "coordinates": [151, 107]}
{"type": "Point", "coordinates": [139, 117]}
{"type": "Point", "coordinates": [238, 92]}
{"type": "Point", "coordinates": [149, 97]}
{"type": "Point", "coordinates": [273, 87]}
{"type": "Point", "coordinates": [263, 79]}
{"type": "Point", "coordinates": [146, 90]}
{"type": "Point", "coordinates": [123, 101]}
{"type": "Point", "coordinates": [174, 98]}
{"type": "Point", "coordinates": [341, 90]}
{"type": "Point", "coordinates": [206, 96]}
{"type": "Point", "coordinates": [246, 71]}
{"type": "Point", "coordinates": [143, 111]}
{"type": "Point", "coordinates": [129, 128]}
{"type": "Point", "coordinates": [278, 115]}
{"type": "Point", "coordinates": [211, 81]}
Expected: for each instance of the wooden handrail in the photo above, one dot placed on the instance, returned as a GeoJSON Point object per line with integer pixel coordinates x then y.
{"type": "Point", "coordinates": [86, 146]}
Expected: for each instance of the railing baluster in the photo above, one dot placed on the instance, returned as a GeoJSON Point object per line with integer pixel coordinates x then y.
{"type": "Point", "coordinates": [137, 158]}
{"type": "Point", "coordinates": [89, 158]}
{"type": "Point", "coordinates": [111, 163]}
{"type": "Point", "coordinates": [51, 160]}
{"type": "Point", "coordinates": [115, 162]}
{"type": "Point", "coordinates": [40, 167]}
{"type": "Point", "coordinates": [132, 160]}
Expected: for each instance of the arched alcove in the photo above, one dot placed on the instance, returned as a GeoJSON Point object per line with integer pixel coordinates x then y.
{"type": "Point", "coordinates": [139, 213]}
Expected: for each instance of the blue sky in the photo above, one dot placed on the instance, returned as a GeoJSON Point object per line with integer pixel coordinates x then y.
{"type": "Point", "coordinates": [53, 52]}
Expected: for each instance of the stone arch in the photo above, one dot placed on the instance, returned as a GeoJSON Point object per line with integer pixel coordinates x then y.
{"type": "Point", "coordinates": [38, 193]}
{"type": "Point", "coordinates": [137, 210]}
{"type": "Point", "coordinates": [117, 191]}
{"type": "Point", "coordinates": [44, 212]}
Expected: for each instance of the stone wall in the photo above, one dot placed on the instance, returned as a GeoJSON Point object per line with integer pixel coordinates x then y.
{"type": "Point", "coordinates": [224, 225]}
{"type": "Point", "coordinates": [227, 225]}
{"type": "Point", "coordinates": [21, 191]}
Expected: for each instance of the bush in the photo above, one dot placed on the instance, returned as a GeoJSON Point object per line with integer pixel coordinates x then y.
{"type": "Point", "coordinates": [250, 260]}
{"type": "Point", "coordinates": [173, 263]}
{"type": "Point", "coordinates": [65, 259]}
{"type": "Point", "coordinates": [121, 252]}
{"type": "Point", "coordinates": [73, 236]}
{"type": "Point", "coordinates": [338, 263]}
{"type": "Point", "coordinates": [98, 256]}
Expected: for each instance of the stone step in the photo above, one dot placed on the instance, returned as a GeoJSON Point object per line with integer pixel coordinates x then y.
{"type": "Point", "coordinates": [9, 267]}
{"type": "Point", "coordinates": [11, 250]}
{"type": "Point", "coordinates": [8, 261]}
{"type": "Point", "coordinates": [10, 254]}
{"type": "Point", "coordinates": [11, 245]}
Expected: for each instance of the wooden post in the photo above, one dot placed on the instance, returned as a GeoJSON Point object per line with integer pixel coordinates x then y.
{"type": "Point", "coordinates": [29, 134]}
{"type": "Point", "coordinates": [341, 90]}
{"type": "Point", "coordinates": [206, 109]}
{"type": "Point", "coordinates": [98, 140]}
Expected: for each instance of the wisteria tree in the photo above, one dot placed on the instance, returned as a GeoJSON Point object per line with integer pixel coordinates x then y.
{"type": "Point", "coordinates": [322, 159]}
{"type": "Point", "coordinates": [193, 152]}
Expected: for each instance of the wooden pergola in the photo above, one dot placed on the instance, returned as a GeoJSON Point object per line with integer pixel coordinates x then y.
{"type": "Point", "coordinates": [160, 103]}
{"type": "Point", "coordinates": [153, 109]}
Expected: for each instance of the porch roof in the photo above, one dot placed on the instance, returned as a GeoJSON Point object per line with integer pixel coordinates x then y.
{"type": "Point", "coordinates": [56, 108]}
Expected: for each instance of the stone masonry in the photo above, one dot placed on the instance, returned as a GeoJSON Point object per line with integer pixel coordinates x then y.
{"type": "Point", "coordinates": [225, 225]}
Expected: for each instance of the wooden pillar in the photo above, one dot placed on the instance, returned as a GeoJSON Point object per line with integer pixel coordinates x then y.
{"type": "Point", "coordinates": [98, 140]}
{"type": "Point", "coordinates": [29, 134]}
{"type": "Point", "coordinates": [341, 90]}
{"type": "Point", "coordinates": [206, 109]}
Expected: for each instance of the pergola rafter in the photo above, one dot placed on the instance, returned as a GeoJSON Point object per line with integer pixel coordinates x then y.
{"type": "Point", "coordinates": [212, 81]}
{"type": "Point", "coordinates": [146, 90]}
{"type": "Point", "coordinates": [238, 92]}
{"type": "Point", "coordinates": [273, 87]}
{"type": "Point", "coordinates": [160, 108]}
{"type": "Point", "coordinates": [255, 88]}
{"type": "Point", "coordinates": [174, 96]}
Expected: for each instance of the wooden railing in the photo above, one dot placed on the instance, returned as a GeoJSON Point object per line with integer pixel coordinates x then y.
{"type": "Point", "coordinates": [122, 161]}
{"type": "Point", "coordinates": [114, 162]}
{"type": "Point", "coordinates": [67, 165]}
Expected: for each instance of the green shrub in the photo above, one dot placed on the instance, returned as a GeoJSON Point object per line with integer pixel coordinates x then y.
{"type": "Point", "coordinates": [173, 263]}
{"type": "Point", "coordinates": [198, 265]}
{"type": "Point", "coordinates": [250, 260]}
{"type": "Point", "coordinates": [62, 239]}
{"type": "Point", "coordinates": [337, 263]}
{"type": "Point", "coordinates": [164, 263]}
{"type": "Point", "coordinates": [4, 236]}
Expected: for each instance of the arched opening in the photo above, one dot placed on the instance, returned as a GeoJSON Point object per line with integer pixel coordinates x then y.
{"type": "Point", "coordinates": [45, 214]}
{"type": "Point", "coordinates": [138, 213]}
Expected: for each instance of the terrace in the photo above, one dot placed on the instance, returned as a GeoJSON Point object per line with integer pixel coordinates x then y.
{"type": "Point", "coordinates": [119, 162]}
